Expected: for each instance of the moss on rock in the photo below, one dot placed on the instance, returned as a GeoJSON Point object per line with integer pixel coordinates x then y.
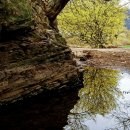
{"type": "Point", "coordinates": [15, 14]}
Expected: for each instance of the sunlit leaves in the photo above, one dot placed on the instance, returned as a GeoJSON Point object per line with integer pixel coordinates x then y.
{"type": "Point", "coordinates": [97, 23]}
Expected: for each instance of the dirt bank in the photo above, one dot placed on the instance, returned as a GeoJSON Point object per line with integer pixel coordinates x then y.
{"type": "Point", "coordinates": [108, 58]}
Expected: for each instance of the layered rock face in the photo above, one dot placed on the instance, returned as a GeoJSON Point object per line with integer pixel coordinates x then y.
{"type": "Point", "coordinates": [33, 55]}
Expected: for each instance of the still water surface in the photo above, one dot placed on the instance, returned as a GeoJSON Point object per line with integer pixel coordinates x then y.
{"type": "Point", "coordinates": [104, 102]}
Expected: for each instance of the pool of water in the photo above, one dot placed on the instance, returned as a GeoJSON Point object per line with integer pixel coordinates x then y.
{"type": "Point", "coordinates": [102, 104]}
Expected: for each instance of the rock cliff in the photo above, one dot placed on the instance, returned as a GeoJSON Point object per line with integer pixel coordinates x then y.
{"type": "Point", "coordinates": [33, 55]}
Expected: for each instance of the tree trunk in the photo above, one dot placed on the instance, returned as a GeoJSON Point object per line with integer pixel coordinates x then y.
{"type": "Point", "coordinates": [33, 55]}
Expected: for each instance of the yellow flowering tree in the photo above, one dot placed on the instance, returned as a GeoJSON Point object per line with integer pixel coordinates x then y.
{"type": "Point", "coordinates": [95, 22]}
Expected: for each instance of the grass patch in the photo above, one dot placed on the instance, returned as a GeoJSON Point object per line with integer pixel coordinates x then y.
{"type": "Point", "coordinates": [126, 46]}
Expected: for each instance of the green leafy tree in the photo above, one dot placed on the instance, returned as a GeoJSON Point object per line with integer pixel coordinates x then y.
{"type": "Point", "coordinates": [96, 23]}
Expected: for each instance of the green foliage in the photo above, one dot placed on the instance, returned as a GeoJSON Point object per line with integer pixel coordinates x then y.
{"type": "Point", "coordinates": [16, 11]}
{"type": "Point", "coordinates": [76, 42]}
{"type": "Point", "coordinates": [123, 39]}
{"type": "Point", "coordinates": [96, 23]}
{"type": "Point", "coordinates": [126, 46]}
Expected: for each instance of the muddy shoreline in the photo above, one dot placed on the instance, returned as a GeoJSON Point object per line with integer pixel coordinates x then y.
{"type": "Point", "coordinates": [116, 58]}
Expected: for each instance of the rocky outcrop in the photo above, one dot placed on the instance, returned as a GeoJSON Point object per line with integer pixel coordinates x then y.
{"type": "Point", "coordinates": [33, 55]}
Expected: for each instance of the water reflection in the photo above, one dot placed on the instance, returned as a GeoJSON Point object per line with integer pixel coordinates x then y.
{"type": "Point", "coordinates": [100, 91]}
{"type": "Point", "coordinates": [122, 117]}
{"type": "Point", "coordinates": [46, 111]}
{"type": "Point", "coordinates": [103, 104]}
{"type": "Point", "coordinates": [99, 100]}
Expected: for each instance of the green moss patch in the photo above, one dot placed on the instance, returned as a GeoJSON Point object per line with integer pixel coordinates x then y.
{"type": "Point", "coordinates": [16, 12]}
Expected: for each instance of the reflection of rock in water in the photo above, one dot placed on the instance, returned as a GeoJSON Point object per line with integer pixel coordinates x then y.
{"type": "Point", "coordinates": [41, 113]}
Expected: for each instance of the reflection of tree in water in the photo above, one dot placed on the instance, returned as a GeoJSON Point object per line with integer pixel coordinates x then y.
{"type": "Point", "coordinates": [100, 91]}
{"type": "Point", "coordinates": [122, 117]}
{"type": "Point", "coordinates": [97, 97]}
{"type": "Point", "coordinates": [76, 121]}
